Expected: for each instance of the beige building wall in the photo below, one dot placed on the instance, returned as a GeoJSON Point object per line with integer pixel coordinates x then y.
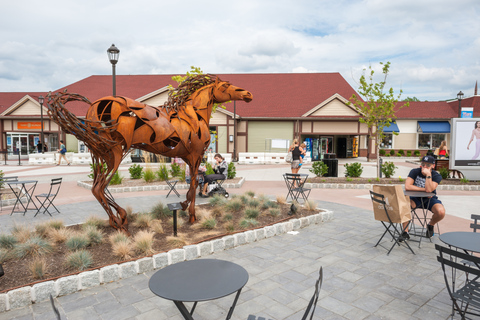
{"type": "Point", "coordinates": [405, 141]}
{"type": "Point", "coordinates": [218, 118]}
{"type": "Point", "coordinates": [259, 131]}
{"type": "Point", "coordinates": [157, 100]}
{"type": "Point", "coordinates": [27, 109]}
{"type": "Point", "coordinates": [335, 108]}
{"type": "Point", "coordinates": [222, 139]}
{"type": "Point", "coordinates": [335, 127]}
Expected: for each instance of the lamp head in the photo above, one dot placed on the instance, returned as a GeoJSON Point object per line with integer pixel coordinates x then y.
{"type": "Point", "coordinates": [113, 53]}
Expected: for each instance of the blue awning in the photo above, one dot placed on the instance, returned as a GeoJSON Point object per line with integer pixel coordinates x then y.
{"type": "Point", "coordinates": [392, 128]}
{"type": "Point", "coordinates": [434, 126]}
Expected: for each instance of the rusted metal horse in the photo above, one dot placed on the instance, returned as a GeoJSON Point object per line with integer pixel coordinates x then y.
{"type": "Point", "coordinates": [114, 125]}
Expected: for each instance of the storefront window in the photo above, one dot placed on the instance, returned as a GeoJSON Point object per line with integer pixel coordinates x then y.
{"type": "Point", "coordinates": [387, 141]}
{"type": "Point", "coordinates": [430, 140]}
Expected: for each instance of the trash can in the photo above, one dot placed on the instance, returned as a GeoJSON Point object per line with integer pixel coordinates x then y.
{"type": "Point", "coordinates": [332, 167]}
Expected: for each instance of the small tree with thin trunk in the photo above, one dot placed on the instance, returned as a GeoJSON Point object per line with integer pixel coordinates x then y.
{"type": "Point", "coordinates": [378, 109]}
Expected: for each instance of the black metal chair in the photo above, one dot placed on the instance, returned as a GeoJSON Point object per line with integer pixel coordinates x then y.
{"type": "Point", "coordinates": [467, 296]}
{"type": "Point", "coordinates": [49, 197]}
{"type": "Point", "coordinates": [295, 184]}
{"type": "Point", "coordinates": [172, 184]}
{"type": "Point", "coordinates": [311, 305]}
{"type": "Point", "coordinates": [3, 190]}
{"type": "Point", "coordinates": [390, 226]}
{"type": "Point", "coordinates": [57, 313]}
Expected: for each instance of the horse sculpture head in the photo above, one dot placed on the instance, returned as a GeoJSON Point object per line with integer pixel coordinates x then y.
{"type": "Point", "coordinates": [223, 91]}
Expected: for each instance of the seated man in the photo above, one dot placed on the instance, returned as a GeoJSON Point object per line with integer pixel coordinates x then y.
{"type": "Point", "coordinates": [425, 179]}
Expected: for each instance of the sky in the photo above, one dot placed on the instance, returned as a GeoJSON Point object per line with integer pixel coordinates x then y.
{"type": "Point", "coordinates": [433, 45]}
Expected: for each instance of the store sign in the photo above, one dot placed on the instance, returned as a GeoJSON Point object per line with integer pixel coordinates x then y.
{"type": "Point", "coordinates": [30, 125]}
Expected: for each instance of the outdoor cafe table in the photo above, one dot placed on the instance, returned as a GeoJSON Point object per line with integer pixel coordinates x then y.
{"type": "Point", "coordinates": [198, 280]}
{"type": "Point", "coordinates": [468, 241]}
{"type": "Point", "coordinates": [422, 219]}
{"type": "Point", "coordinates": [24, 187]}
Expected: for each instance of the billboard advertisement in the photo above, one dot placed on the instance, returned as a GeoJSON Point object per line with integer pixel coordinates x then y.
{"type": "Point", "coordinates": [466, 143]}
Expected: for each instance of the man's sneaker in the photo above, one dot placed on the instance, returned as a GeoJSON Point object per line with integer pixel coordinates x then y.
{"type": "Point", "coordinates": [405, 236]}
{"type": "Point", "coordinates": [429, 233]}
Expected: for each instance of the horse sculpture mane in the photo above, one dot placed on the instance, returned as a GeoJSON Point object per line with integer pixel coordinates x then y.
{"type": "Point", "coordinates": [114, 125]}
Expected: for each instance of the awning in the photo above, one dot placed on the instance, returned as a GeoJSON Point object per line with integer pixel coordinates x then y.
{"type": "Point", "coordinates": [434, 126]}
{"type": "Point", "coordinates": [392, 128]}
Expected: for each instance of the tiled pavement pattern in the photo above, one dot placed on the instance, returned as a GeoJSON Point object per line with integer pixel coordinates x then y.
{"type": "Point", "coordinates": [360, 281]}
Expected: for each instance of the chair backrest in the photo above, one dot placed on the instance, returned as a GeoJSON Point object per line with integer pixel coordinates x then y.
{"type": "Point", "coordinates": [475, 224]}
{"type": "Point", "coordinates": [4, 180]}
{"type": "Point", "coordinates": [313, 301]}
{"type": "Point", "coordinates": [55, 185]}
{"type": "Point", "coordinates": [380, 199]}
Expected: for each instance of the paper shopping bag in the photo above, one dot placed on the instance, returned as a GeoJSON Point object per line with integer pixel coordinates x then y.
{"type": "Point", "coordinates": [397, 203]}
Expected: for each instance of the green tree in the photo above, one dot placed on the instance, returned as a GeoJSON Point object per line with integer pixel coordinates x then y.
{"type": "Point", "coordinates": [411, 99]}
{"type": "Point", "coordinates": [378, 109]}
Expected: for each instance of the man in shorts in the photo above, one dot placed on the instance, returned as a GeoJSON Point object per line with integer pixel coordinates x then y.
{"type": "Point", "coordinates": [425, 179]}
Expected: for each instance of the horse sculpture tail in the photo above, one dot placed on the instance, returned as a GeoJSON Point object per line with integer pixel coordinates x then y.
{"type": "Point", "coordinates": [85, 130]}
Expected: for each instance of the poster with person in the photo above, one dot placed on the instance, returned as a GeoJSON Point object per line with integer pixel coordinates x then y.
{"type": "Point", "coordinates": [466, 138]}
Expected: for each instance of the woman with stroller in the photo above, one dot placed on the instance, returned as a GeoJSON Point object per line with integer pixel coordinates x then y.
{"type": "Point", "coordinates": [221, 169]}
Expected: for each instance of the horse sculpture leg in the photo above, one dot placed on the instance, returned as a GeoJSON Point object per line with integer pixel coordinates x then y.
{"type": "Point", "coordinates": [100, 183]}
{"type": "Point", "coordinates": [191, 194]}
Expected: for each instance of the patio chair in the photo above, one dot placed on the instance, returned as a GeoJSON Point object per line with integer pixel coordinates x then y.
{"type": "Point", "coordinates": [3, 190]}
{"type": "Point", "coordinates": [465, 298]}
{"type": "Point", "coordinates": [57, 313]}
{"type": "Point", "coordinates": [295, 184]}
{"type": "Point", "coordinates": [49, 197]}
{"type": "Point", "coordinates": [311, 305]}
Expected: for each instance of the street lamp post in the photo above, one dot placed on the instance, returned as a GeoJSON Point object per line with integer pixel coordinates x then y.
{"type": "Point", "coordinates": [40, 100]}
{"type": "Point", "coordinates": [460, 97]}
{"type": "Point", "coordinates": [113, 54]}
{"type": "Point", "coordinates": [234, 131]}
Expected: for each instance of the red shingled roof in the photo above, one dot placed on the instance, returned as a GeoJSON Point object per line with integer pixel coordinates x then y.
{"type": "Point", "coordinates": [7, 99]}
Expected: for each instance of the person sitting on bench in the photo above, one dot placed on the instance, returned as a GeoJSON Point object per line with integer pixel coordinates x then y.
{"type": "Point", "coordinates": [221, 169]}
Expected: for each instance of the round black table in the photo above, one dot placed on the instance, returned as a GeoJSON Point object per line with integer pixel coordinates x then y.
{"type": "Point", "coordinates": [198, 280]}
{"type": "Point", "coordinates": [468, 241]}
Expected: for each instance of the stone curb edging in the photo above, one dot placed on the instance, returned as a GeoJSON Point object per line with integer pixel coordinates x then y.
{"type": "Point", "coordinates": [369, 186]}
{"type": "Point", "coordinates": [24, 296]}
{"type": "Point", "coordinates": [113, 189]}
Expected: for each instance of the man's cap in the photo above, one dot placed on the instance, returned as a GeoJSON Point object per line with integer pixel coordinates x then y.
{"type": "Point", "coordinates": [428, 159]}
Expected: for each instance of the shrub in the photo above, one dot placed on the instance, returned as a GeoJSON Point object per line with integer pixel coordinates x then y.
{"type": "Point", "coordinates": [409, 153]}
{"type": "Point", "coordinates": [2, 174]}
{"type": "Point", "coordinates": [217, 200]}
{"type": "Point", "coordinates": [281, 199]}
{"type": "Point", "coordinates": [254, 203]}
{"type": "Point", "coordinates": [382, 152]}
{"type": "Point", "coordinates": [392, 152]}
{"type": "Point", "coordinates": [21, 232]}
{"type": "Point", "coordinates": [116, 179]}
{"type": "Point", "coordinates": [33, 246]}
{"type": "Point", "coordinates": [183, 176]}
{"type": "Point", "coordinates": [160, 211]}
{"type": "Point", "coordinates": [178, 241]}
{"type": "Point", "coordinates": [4, 255]}
{"type": "Point", "coordinates": [77, 241]}
{"type": "Point", "coordinates": [59, 235]}
{"type": "Point", "coordinates": [319, 168]}
{"type": "Point", "coordinates": [444, 173]}
{"type": "Point", "coordinates": [143, 220]}
{"type": "Point", "coordinates": [162, 173]}
{"type": "Point", "coordinates": [122, 249]}
{"type": "Point", "coordinates": [175, 169]}
{"type": "Point", "coordinates": [250, 193]}
{"type": "Point", "coordinates": [398, 154]}
{"type": "Point", "coordinates": [209, 223]}
{"type": "Point", "coordinates": [464, 180]}
{"type": "Point", "coordinates": [56, 224]}
{"type": "Point", "coordinates": [156, 226]}
{"type": "Point", "coordinates": [93, 165]}
{"type": "Point", "coordinates": [94, 234]}
{"type": "Point", "coordinates": [135, 171]}
{"type": "Point", "coordinates": [143, 242]}
{"type": "Point", "coordinates": [38, 268]}
{"type": "Point", "coordinates": [274, 212]}
{"type": "Point", "coordinates": [252, 213]}
{"type": "Point", "coordinates": [209, 169]}
{"type": "Point", "coordinates": [79, 260]}
{"type": "Point", "coordinates": [246, 223]}
{"type": "Point", "coordinates": [416, 153]}
{"type": "Point", "coordinates": [7, 241]}
{"type": "Point", "coordinates": [388, 169]}
{"type": "Point", "coordinates": [149, 175]}
{"type": "Point", "coordinates": [118, 236]}
{"type": "Point", "coordinates": [234, 205]}
{"type": "Point", "coordinates": [94, 221]}
{"type": "Point", "coordinates": [232, 171]}
{"type": "Point", "coordinates": [353, 169]}
{"type": "Point", "coordinates": [401, 152]}
{"type": "Point", "coordinates": [42, 229]}
{"type": "Point", "coordinates": [310, 205]}
{"type": "Point", "coordinates": [228, 217]}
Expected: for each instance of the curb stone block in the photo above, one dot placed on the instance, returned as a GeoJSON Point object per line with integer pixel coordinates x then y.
{"type": "Point", "coordinates": [145, 264]}
{"type": "Point", "coordinates": [269, 231]}
{"type": "Point", "coordinates": [20, 297]}
{"type": "Point", "coordinates": [89, 279]}
{"type": "Point", "coordinates": [295, 224]}
{"type": "Point", "coordinates": [109, 273]}
{"type": "Point", "coordinates": [218, 245]}
{"type": "Point", "coordinates": [3, 302]}
{"type": "Point", "coordinates": [260, 234]}
{"type": "Point", "coordinates": [67, 285]}
{"type": "Point", "coordinates": [229, 242]}
{"type": "Point", "coordinates": [175, 256]}
{"type": "Point", "coordinates": [304, 222]}
{"type": "Point", "coordinates": [128, 269]}
{"type": "Point", "coordinates": [160, 260]}
{"type": "Point", "coordinates": [41, 291]}
{"type": "Point", "coordinates": [279, 228]}
{"type": "Point", "coordinates": [250, 236]}
{"type": "Point", "coordinates": [318, 218]}
{"type": "Point", "coordinates": [240, 239]}
{"type": "Point", "coordinates": [288, 226]}
{"type": "Point", "coordinates": [311, 219]}
{"type": "Point", "coordinates": [206, 248]}
{"type": "Point", "coordinates": [191, 252]}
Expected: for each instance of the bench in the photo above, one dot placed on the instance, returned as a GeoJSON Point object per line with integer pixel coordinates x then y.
{"type": "Point", "coordinates": [452, 173]}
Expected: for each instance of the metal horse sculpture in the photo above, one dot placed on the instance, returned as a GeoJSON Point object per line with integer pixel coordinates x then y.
{"type": "Point", "coordinates": [114, 125]}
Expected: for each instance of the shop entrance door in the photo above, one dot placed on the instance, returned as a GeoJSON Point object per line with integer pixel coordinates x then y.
{"type": "Point", "coordinates": [19, 144]}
